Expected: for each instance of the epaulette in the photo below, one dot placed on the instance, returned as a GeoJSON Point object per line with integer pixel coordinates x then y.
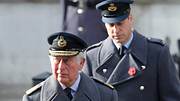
{"type": "Point", "coordinates": [35, 88]}
{"type": "Point", "coordinates": [158, 41]}
{"type": "Point", "coordinates": [101, 82]}
{"type": "Point", "coordinates": [94, 46]}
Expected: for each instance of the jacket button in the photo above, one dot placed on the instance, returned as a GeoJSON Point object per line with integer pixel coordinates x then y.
{"type": "Point", "coordinates": [80, 29]}
{"type": "Point", "coordinates": [143, 67]}
{"type": "Point", "coordinates": [141, 88]}
{"type": "Point", "coordinates": [80, 10]}
{"type": "Point", "coordinates": [104, 70]}
{"type": "Point", "coordinates": [74, 0]}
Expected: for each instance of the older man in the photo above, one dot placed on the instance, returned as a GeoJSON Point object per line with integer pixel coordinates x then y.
{"type": "Point", "coordinates": [67, 82]}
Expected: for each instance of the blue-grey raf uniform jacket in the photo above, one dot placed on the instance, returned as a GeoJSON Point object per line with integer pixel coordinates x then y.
{"type": "Point", "coordinates": [145, 73]}
{"type": "Point", "coordinates": [88, 90]}
{"type": "Point", "coordinates": [85, 22]}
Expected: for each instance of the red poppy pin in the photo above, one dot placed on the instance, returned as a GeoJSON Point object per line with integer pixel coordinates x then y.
{"type": "Point", "coordinates": [132, 71]}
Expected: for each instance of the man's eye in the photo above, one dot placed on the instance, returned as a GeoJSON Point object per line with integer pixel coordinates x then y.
{"type": "Point", "coordinates": [111, 25]}
{"type": "Point", "coordinates": [65, 59]}
{"type": "Point", "coordinates": [119, 24]}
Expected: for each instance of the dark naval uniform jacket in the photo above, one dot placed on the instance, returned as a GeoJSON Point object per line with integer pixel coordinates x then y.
{"type": "Point", "coordinates": [145, 73]}
{"type": "Point", "coordinates": [81, 18]}
{"type": "Point", "coordinates": [88, 90]}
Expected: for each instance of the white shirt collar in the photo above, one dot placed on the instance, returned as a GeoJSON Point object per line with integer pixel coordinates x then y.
{"type": "Point", "coordinates": [75, 86]}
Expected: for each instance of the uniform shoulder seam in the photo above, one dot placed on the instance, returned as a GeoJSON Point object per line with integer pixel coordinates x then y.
{"type": "Point", "coordinates": [157, 41]}
{"type": "Point", "coordinates": [101, 82]}
{"type": "Point", "coordinates": [35, 88]}
{"type": "Point", "coordinates": [94, 46]}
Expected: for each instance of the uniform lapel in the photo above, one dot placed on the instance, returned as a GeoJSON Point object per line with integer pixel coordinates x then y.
{"type": "Point", "coordinates": [133, 61]}
{"type": "Point", "coordinates": [87, 90]}
{"type": "Point", "coordinates": [138, 48]}
{"type": "Point", "coordinates": [52, 91]}
{"type": "Point", "coordinates": [129, 71]}
{"type": "Point", "coordinates": [108, 50]}
{"type": "Point", "coordinates": [108, 58]}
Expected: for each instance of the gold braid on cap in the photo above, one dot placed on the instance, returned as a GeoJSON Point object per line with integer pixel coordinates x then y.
{"type": "Point", "coordinates": [112, 7]}
{"type": "Point", "coordinates": [63, 53]}
{"type": "Point", "coordinates": [62, 42]}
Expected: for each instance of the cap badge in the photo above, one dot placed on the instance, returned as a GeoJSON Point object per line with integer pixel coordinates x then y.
{"type": "Point", "coordinates": [62, 42]}
{"type": "Point", "coordinates": [112, 7]}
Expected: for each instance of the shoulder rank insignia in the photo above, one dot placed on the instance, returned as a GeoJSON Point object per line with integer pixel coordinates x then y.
{"type": "Point", "coordinates": [158, 41]}
{"type": "Point", "coordinates": [94, 46]}
{"type": "Point", "coordinates": [35, 88]}
{"type": "Point", "coordinates": [101, 82]}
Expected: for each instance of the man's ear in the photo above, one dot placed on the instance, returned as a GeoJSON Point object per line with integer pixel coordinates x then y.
{"type": "Point", "coordinates": [82, 63]}
{"type": "Point", "coordinates": [130, 17]}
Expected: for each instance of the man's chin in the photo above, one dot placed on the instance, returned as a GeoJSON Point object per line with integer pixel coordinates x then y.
{"type": "Point", "coordinates": [62, 80]}
{"type": "Point", "coordinates": [118, 42]}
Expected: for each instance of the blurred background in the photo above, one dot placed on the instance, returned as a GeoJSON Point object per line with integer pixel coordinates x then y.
{"type": "Point", "coordinates": [25, 25]}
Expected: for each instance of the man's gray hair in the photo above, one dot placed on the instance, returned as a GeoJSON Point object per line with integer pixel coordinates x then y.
{"type": "Point", "coordinates": [80, 56]}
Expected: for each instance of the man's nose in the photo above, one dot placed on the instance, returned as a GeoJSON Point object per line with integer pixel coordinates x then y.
{"type": "Point", "coordinates": [61, 64]}
{"type": "Point", "coordinates": [115, 28]}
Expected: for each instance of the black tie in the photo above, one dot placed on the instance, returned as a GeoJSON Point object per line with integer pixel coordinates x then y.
{"type": "Point", "coordinates": [122, 51]}
{"type": "Point", "coordinates": [68, 93]}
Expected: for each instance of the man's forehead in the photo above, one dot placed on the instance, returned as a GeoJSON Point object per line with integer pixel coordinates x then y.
{"type": "Point", "coordinates": [117, 23]}
{"type": "Point", "coordinates": [62, 57]}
